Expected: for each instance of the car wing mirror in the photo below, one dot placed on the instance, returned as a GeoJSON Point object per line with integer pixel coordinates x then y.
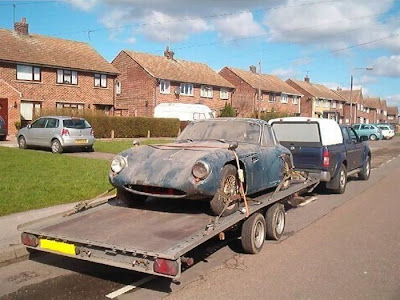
{"type": "Point", "coordinates": [29, 126]}
{"type": "Point", "coordinates": [136, 143]}
{"type": "Point", "coordinates": [233, 146]}
{"type": "Point", "coordinates": [363, 138]}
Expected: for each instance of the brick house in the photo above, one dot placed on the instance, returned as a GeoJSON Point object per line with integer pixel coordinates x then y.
{"type": "Point", "coordinates": [39, 72]}
{"type": "Point", "coordinates": [378, 110]}
{"type": "Point", "coordinates": [318, 101]}
{"type": "Point", "coordinates": [146, 80]}
{"type": "Point", "coordinates": [393, 115]}
{"type": "Point", "coordinates": [276, 95]}
{"type": "Point", "coordinates": [361, 111]}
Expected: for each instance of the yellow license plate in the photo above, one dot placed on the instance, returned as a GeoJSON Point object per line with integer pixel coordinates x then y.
{"type": "Point", "coordinates": [81, 141]}
{"type": "Point", "coordinates": [58, 246]}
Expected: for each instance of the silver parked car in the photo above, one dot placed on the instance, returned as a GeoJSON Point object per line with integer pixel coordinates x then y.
{"type": "Point", "coordinates": [57, 133]}
{"type": "Point", "coordinates": [3, 129]}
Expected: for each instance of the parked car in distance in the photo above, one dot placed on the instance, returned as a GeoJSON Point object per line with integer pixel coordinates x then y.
{"type": "Point", "coordinates": [370, 130]}
{"type": "Point", "coordinates": [201, 164]}
{"type": "Point", "coordinates": [3, 129]}
{"type": "Point", "coordinates": [387, 131]}
{"type": "Point", "coordinates": [183, 111]}
{"type": "Point", "coordinates": [321, 144]}
{"type": "Point", "coordinates": [57, 133]}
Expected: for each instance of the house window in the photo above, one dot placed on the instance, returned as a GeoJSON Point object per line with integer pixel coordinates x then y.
{"type": "Point", "coordinates": [118, 87]}
{"type": "Point", "coordinates": [367, 109]}
{"type": "Point", "coordinates": [187, 89]}
{"type": "Point", "coordinates": [325, 103]}
{"type": "Point", "coordinates": [295, 100]}
{"type": "Point", "coordinates": [206, 91]}
{"type": "Point", "coordinates": [67, 77]}
{"type": "Point", "coordinates": [284, 98]}
{"type": "Point", "coordinates": [224, 94]}
{"type": "Point", "coordinates": [165, 87]}
{"type": "Point", "coordinates": [390, 118]}
{"type": "Point", "coordinates": [28, 73]}
{"type": "Point", "coordinates": [316, 102]}
{"type": "Point", "coordinates": [340, 105]}
{"type": "Point", "coordinates": [29, 109]}
{"type": "Point", "coordinates": [333, 104]}
{"type": "Point", "coordinates": [272, 98]}
{"type": "Point", "coordinates": [378, 111]}
{"type": "Point", "coordinates": [358, 106]}
{"type": "Point", "coordinates": [71, 106]}
{"type": "Point", "coordinates": [100, 80]}
{"type": "Point", "coordinates": [347, 121]}
{"type": "Point", "coordinates": [385, 112]}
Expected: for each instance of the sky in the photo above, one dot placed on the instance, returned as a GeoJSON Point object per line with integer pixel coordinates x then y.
{"type": "Point", "coordinates": [329, 40]}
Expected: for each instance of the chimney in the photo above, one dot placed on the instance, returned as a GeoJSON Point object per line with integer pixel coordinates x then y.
{"type": "Point", "coordinates": [21, 27]}
{"type": "Point", "coordinates": [338, 88]}
{"type": "Point", "coordinates": [169, 53]}
{"type": "Point", "coordinates": [253, 69]}
{"type": "Point", "coordinates": [307, 79]}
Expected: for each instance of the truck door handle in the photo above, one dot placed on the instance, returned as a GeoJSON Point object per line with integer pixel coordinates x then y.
{"type": "Point", "coordinates": [254, 159]}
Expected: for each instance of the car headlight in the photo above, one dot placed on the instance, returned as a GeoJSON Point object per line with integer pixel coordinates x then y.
{"type": "Point", "coordinates": [118, 164]}
{"type": "Point", "coordinates": [201, 170]}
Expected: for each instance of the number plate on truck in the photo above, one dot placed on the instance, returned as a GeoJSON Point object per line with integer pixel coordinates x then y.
{"type": "Point", "coordinates": [58, 246]}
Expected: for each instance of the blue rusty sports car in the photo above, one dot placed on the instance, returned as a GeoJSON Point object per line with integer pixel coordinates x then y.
{"type": "Point", "coordinates": [201, 164]}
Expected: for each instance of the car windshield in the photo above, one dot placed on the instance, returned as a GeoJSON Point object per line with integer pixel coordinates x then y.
{"type": "Point", "coordinates": [76, 123]}
{"type": "Point", "coordinates": [240, 131]}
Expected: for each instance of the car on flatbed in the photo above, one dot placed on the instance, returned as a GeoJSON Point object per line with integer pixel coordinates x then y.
{"type": "Point", "coordinates": [321, 144]}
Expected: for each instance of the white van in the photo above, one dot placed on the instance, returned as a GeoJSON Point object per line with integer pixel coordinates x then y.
{"type": "Point", "coordinates": [183, 112]}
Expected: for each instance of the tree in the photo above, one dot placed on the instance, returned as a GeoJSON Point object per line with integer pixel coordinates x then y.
{"type": "Point", "coordinates": [228, 111]}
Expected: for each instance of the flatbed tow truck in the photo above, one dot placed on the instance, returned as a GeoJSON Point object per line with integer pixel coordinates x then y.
{"type": "Point", "coordinates": [155, 237]}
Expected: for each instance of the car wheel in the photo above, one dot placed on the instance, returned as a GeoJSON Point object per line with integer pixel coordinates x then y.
{"type": "Point", "coordinates": [341, 181]}
{"type": "Point", "coordinates": [253, 234]}
{"type": "Point", "coordinates": [228, 187]}
{"type": "Point", "coordinates": [129, 199]}
{"type": "Point", "coordinates": [366, 170]}
{"type": "Point", "coordinates": [56, 146]}
{"type": "Point", "coordinates": [275, 221]}
{"type": "Point", "coordinates": [373, 137]}
{"type": "Point", "coordinates": [22, 143]}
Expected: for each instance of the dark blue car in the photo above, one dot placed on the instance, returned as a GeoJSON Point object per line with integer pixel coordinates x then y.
{"type": "Point", "coordinates": [201, 164]}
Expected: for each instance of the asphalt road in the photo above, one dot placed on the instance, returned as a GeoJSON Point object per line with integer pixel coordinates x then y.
{"type": "Point", "coordinates": [339, 246]}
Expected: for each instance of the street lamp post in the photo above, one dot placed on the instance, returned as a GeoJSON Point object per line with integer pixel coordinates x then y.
{"type": "Point", "coordinates": [351, 91]}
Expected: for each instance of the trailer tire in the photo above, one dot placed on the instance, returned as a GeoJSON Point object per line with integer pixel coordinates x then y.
{"type": "Point", "coordinates": [253, 234]}
{"type": "Point", "coordinates": [129, 199]}
{"type": "Point", "coordinates": [217, 204]}
{"type": "Point", "coordinates": [275, 221]}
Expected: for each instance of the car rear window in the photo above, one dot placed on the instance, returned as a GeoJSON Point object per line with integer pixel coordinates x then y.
{"type": "Point", "coordinates": [297, 132]}
{"type": "Point", "coordinates": [76, 123]}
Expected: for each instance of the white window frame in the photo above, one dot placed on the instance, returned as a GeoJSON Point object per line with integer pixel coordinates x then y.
{"type": "Point", "coordinates": [295, 100]}
{"type": "Point", "coordinates": [340, 105]}
{"type": "Point", "coordinates": [317, 101]}
{"type": "Point", "coordinates": [165, 86]}
{"type": "Point", "coordinates": [28, 73]}
{"type": "Point", "coordinates": [64, 105]}
{"type": "Point", "coordinates": [325, 103]}
{"type": "Point", "coordinates": [100, 80]}
{"type": "Point", "coordinates": [224, 94]}
{"type": "Point", "coordinates": [284, 98]}
{"type": "Point", "coordinates": [118, 88]}
{"type": "Point", "coordinates": [187, 89]}
{"type": "Point", "coordinates": [62, 76]}
{"type": "Point", "coordinates": [333, 105]}
{"type": "Point", "coordinates": [272, 97]}
{"type": "Point", "coordinates": [206, 91]}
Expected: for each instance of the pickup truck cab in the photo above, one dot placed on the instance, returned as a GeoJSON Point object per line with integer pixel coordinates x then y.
{"type": "Point", "coordinates": [322, 145]}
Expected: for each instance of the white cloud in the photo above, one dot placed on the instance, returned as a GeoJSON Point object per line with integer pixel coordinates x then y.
{"type": "Point", "coordinates": [238, 26]}
{"type": "Point", "coordinates": [131, 40]}
{"type": "Point", "coordinates": [84, 4]}
{"type": "Point", "coordinates": [365, 79]}
{"type": "Point", "coordinates": [284, 73]}
{"type": "Point", "coordinates": [387, 66]}
{"type": "Point", "coordinates": [393, 100]}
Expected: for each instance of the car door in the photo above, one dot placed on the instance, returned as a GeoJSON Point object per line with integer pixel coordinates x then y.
{"type": "Point", "coordinates": [350, 148]}
{"type": "Point", "coordinates": [272, 164]}
{"type": "Point", "coordinates": [358, 149]}
{"type": "Point", "coordinates": [35, 133]}
{"type": "Point", "coordinates": [49, 132]}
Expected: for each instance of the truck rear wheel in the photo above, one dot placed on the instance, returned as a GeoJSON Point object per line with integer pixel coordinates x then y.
{"type": "Point", "coordinates": [275, 221]}
{"type": "Point", "coordinates": [129, 199]}
{"type": "Point", "coordinates": [253, 234]}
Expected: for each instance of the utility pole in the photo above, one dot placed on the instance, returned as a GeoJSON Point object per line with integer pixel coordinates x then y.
{"type": "Point", "coordinates": [259, 90]}
{"type": "Point", "coordinates": [13, 14]}
{"type": "Point", "coordinates": [351, 103]}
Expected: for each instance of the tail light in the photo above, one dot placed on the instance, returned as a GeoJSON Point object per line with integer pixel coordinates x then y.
{"type": "Point", "coordinates": [166, 266]}
{"type": "Point", "coordinates": [325, 156]}
{"type": "Point", "coordinates": [91, 132]}
{"type": "Point", "coordinates": [29, 239]}
{"type": "Point", "coordinates": [65, 132]}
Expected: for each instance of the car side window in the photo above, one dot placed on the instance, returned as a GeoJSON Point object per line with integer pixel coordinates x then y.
{"type": "Point", "coordinates": [346, 136]}
{"type": "Point", "coordinates": [40, 123]}
{"type": "Point", "coordinates": [52, 123]}
{"type": "Point", "coordinates": [364, 127]}
{"type": "Point", "coordinates": [353, 135]}
{"type": "Point", "coordinates": [267, 139]}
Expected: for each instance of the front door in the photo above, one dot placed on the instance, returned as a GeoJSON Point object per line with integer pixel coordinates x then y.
{"type": "Point", "coordinates": [4, 111]}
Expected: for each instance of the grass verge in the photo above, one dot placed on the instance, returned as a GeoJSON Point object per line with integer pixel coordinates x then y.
{"type": "Point", "coordinates": [33, 179]}
{"type": "Point", "coordinates": [119, 146]}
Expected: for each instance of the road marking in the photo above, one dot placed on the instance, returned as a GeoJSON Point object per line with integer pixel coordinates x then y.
{"type": "Point", "coordinates": [128, 288]}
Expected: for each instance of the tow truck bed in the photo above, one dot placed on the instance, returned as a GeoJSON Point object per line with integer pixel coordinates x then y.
{"type": "Point", "coordinates": [134, 238]}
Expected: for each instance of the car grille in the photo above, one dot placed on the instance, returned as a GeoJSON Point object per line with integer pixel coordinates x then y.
{"type": "Point", "coordinates": [154, 190]}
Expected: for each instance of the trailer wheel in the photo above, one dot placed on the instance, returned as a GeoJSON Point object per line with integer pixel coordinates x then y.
{"type": "Point", "coordinates": [253, 234]}
{"type": "Point", "coordinates": [228, 186]}
{"type": "Point", "coordinates": [129, 199]}
{"type": "Point", "coordinates": [275, 220]}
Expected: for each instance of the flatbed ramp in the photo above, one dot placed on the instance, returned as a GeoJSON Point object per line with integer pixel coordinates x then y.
{"type": "Point", "coordinates": [157, 232]}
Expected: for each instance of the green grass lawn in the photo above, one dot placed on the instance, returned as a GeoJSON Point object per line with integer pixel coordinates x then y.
{"type": "Point", "coordinates": [119, 146]}
{"type": "Point", "coordinates": [33, 179]}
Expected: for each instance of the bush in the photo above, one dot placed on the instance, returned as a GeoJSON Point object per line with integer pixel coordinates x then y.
{"type": "Point", "coordinates": [17, 125]}
{"type": "Point", "coordinates": [124, 127]}
{"type": "Point", "coordinates": [228, 111]}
